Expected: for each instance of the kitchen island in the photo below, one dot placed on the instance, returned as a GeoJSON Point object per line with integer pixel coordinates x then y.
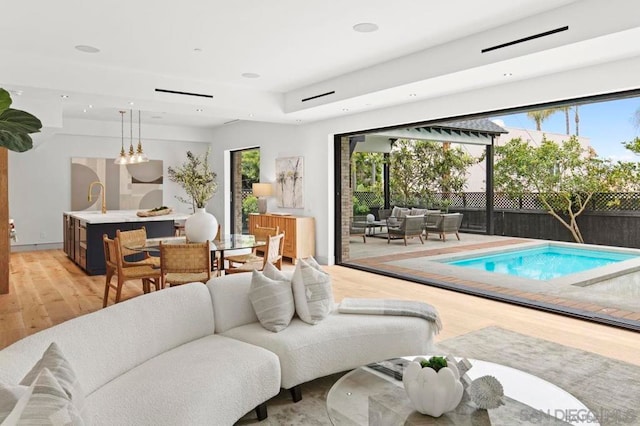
{"type": "Point", "coordinates": [83, 232]}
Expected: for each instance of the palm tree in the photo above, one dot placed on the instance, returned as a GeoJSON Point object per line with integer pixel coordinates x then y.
{"type": "Point", "coordinates": [577, 122]}
{"type": "Point", "coordinates": [566, 118]}
{"type": "Point", "coordinates": [541, 115]}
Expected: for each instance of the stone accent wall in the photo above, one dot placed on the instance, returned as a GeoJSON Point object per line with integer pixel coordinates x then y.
{"type": "Point", "coordinates": [346, 197]}
{"type": "Point", "coordinates": [236, 158]}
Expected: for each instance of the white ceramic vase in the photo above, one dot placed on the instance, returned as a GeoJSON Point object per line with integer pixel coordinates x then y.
{"type": "Point", "coordinates": [201, 226]}
{"type": "Point", "coordinates": [432, 393]}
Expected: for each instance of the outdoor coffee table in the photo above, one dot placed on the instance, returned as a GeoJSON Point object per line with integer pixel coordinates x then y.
{"type": "Point", "coordinates": [367, 397]}
{"type": "Point", "coordinates": [370, 226]}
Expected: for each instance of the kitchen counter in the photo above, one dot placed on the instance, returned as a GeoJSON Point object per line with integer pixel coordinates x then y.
{"type": "Point", "coordinates": [121, 216]}
{"type": "Point", "coordinates": [83, 232]}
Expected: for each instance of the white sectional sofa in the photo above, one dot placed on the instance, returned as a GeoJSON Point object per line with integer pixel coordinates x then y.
{"type": "Point", "coordinates": [196, 354]}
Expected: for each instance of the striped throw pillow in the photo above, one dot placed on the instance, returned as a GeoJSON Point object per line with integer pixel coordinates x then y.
{"type": "Point", "coordinates": [45, 403]}
{"type": "Point", "coordinates": [272, 301]}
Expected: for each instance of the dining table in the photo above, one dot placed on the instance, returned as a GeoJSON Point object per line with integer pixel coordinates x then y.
{"type": "Point", "coordinates": [224, 243]}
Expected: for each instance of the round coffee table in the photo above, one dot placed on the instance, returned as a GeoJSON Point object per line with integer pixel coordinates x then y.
{"type": "Point", "coordinates": [367, 397]}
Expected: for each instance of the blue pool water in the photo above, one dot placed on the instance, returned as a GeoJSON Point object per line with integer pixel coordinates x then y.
{"type": "Point", "coordinates": [543, 263]}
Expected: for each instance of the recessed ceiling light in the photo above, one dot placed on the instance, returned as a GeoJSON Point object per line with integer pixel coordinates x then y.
{"type": "Point", "coordinates": [365, 27]}
{"type": "Point", "coordinates": [197, 50]}
{"type": "Point", "coordinates": [250, 115]}
{"type": "Point", "coordinates": [250, 75]}
{"type": "Point", "coordinates": [345, 109]}
{"type": "Point", "coordinates": [131, 103]}
{"type": "Point", "coordinates": [199, 110]}
{"type": "Point", "coordinates": [413, 95]}
{"type": "Point", "coordinates": [84, 110]}
{"type": "Point", "coordinates": [507, 74]}
{"type": "Point", "coordinates": [90, 106]}
{"type": "Point", "coordinates": [87, 49]}
{"type": "Point", "coordinates": [298, 121]}
{"type": "Point", "coordinates": [64, 96]}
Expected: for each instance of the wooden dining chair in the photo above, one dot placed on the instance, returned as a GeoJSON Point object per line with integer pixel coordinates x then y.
{"type": "Point", "coordinates": [135, 238]}
{"type": "Point", "coordinates": [260, 233]}
{"type": "Point", "coordinates": [115, 266]}
{"type": "Point", "coordinates": [272, 254]}
{"type": "Point", "coordinates": [185, 263]}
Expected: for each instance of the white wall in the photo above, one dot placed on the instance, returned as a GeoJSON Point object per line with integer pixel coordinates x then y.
{"type": "Point", "coordinates": [40, 179]}
{"type": "Point", "coordinates": [314, 140]}
{"type": "Point", "coordinates": [39, 186]}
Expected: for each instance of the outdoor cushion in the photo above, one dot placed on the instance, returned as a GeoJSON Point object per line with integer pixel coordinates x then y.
{"type": "Point", "coordinates": [399, 212]}
{"type": "Point", "coordinates": [418, 212]}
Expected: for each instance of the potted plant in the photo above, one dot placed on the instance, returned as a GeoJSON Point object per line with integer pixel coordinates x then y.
{"type": "Point", "coordinates": [199, 182]}
{"type": "Point", "coordinates": [433, 385]}
{"type": "Point", "coordinates": [15, 126]}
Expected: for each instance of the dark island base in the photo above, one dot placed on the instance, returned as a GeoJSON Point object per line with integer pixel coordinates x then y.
{"type": "Point", "coordinates": [83, 242]}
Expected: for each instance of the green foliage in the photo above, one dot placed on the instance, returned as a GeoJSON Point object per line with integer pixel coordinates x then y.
{"type": "Point", "coordinates": [420, 168]}
{"type": "Point", "coordinates": [435, 362]}
{"type": "Point", "coordinates": [249, 205]}
{"type": "Point", "coordinates": [196, 178]}
{"type": "Point", "coordinates": [565, 176]}
{"type": "Point", "coordinates": [16, 125]}
{"type": "Point", "coordinates": [250, 167]}
{"type": "Point", "coordinates": [359, 207]}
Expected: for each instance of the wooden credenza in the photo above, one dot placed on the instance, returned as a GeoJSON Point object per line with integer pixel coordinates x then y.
{"type": "Point", "coordinates": [299, 233]}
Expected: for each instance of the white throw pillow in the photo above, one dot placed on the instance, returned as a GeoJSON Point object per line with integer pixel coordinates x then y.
{"type": "Point", "coordinates": [54, 360]}
{"type": "Point", "coordinates": [9, 396]}
{"type": "Point", "coordinates": [270, 271]}
{"type": "Point", "coordinates": [272, 301]}
{"type": "Point", "coordinates": [312, 291]}
{"type": "Point", "coordinates": [45, 403]}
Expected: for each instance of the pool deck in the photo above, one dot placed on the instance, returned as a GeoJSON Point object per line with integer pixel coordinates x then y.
{"type": "Point", "coordinates": [605, 302]}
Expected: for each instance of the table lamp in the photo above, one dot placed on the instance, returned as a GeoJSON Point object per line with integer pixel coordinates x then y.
{"type": "Point", "coordinates": [262, 190]}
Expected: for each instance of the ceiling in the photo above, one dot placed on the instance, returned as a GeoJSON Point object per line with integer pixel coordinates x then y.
{"type": "Point", "coordinates": [298, 48]}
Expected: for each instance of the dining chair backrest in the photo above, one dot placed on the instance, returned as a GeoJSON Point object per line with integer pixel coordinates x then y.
{"type": "Point", "coordinates": [185, 258]}
{"type": "Point", "coordinates": [274, 250]}
{"type": "Point", "coordinates": [136, 237]}
{"type": "Point", "coordinates": [110, 252]}
{"type": "Point", "coordinates": [262, 233]}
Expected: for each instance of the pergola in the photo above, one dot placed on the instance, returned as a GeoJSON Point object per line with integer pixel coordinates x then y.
{"type": "Point", "coordinates": [472, 132]}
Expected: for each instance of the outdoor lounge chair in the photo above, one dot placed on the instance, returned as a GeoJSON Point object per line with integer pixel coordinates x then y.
{"type": "Point", "coordinates": [359, 227]}
{"type": "Point", "coordinates": [408, 226]}
{"type": "Point", "coordinates": [445, 224]}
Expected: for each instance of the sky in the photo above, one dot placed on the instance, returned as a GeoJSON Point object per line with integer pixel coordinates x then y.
{"type": "Point", "coordinates": [606, 124]}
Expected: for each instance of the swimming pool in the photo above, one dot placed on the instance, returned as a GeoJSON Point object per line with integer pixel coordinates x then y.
{"type": "Point", "coordinates": [543, 263]}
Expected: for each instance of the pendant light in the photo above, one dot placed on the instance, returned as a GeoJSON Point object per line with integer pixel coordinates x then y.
{"type": "Point", "coordinates": [132, 154]}
{"type": "Point", "coordinates": [122, 158]}
{"type": "Point", "coordinates": [141, 157]}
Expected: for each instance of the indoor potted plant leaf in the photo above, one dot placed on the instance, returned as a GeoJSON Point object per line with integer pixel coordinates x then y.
{"type": "Point", "coordinates": [199, 182]}
{"type": "Point", "coordinates": [16, 125]}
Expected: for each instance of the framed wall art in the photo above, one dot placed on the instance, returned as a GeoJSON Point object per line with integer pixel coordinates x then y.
{"type": "Point", "coordinates": [289, 182]}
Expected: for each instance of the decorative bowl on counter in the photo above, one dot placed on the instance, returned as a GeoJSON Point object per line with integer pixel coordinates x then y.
{"type": "Point", "coordinates": [158, 211]}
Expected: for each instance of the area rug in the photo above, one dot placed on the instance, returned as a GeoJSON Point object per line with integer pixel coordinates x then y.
{"type": "Point", "coordinates": [610, 388]}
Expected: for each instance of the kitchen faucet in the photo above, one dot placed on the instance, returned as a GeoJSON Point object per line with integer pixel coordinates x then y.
{"type": "Point", "coordinates": [104, 198]}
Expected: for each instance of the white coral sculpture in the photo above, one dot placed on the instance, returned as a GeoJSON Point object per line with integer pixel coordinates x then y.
{"type": "Point", "coordinates": [486, 392]}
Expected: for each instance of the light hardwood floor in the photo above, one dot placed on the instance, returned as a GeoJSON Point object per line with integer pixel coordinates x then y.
{"type": "Point", "coordinates": [47, 288]}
